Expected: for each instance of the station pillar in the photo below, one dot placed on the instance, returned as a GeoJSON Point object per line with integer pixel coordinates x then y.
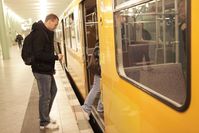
{"type": "Point", "coordinates": [3, 34]}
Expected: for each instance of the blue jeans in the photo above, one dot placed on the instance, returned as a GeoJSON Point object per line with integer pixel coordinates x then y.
{"type": "Point", "coordinates": [92, 95]}
{"type": "Point", "coordinates": [47, 91]}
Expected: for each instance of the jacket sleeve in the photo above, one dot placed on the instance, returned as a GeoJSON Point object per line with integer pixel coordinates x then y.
{"type": "Point", "coordinates": [40, 53]}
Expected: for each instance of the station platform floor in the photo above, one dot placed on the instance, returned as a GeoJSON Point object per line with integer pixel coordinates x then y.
{"type": "Point", "coordinates": [19, 100]}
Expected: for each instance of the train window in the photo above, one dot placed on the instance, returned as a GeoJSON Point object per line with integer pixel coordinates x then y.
{"type": "Point", "coordinates": [152, 49]}
{"type": "Point", "coordinates": [72, 32]}
{"type": "Point", "coordinates": [118, 2]}
{"type": "Point", "coordinates": [124, 3]}
{"type": "Point", "coordinates": [68, 38]}
{"type": "Point", "coordinates": [77, 27]}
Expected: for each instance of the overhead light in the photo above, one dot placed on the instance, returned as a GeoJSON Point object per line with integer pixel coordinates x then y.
{"type": "Point", "coordinates": [147, 5]}
{"type": "Point", "coordinates": [26, 24]}
{"type": "Point", "coordinates": [43, 9]}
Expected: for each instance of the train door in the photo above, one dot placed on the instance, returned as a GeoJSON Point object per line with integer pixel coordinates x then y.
{"type": "Point", "coordinates": [64, 41]}
{"type": "Point", "coordinates": [60, 45]}
{"type": "Point", "coordinates": [59, 37]}
{"type": "Point", "coordinates": [91, 37]}
{"type": "Point", "coordinates": [91, 32]}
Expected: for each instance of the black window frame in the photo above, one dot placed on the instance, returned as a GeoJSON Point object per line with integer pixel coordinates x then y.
{"type": "Point", "coordinates": [186, 104]}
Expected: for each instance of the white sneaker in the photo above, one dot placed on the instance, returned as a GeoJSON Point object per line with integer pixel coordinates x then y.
{"type": "Point", "coordinates": [50, 126]}
{"type": "Point", "coordinates": [86, 115]}
{"type": "Point", "coordinates": [53, 121]}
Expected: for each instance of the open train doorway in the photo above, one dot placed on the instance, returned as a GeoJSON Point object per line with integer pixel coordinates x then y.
{"type": "Point", "coordinates": [91, 38]}
{"type": "Point", "coordinates": [91, 32]}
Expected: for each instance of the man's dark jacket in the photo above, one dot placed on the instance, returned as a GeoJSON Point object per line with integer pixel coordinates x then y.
{"type": "Point", "coordinates": [43, 49]}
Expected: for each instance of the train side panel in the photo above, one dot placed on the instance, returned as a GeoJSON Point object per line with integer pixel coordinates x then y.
{"type": "Point", "coordinates": [76, 69]}
{"type": "Point", "coordinates": [129, 109]}
{"type": "Point", "coordinates": [76, 57]}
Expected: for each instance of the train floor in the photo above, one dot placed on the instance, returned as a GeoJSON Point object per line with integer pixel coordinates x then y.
{"type": "Point", "coordinates": [19, 100]}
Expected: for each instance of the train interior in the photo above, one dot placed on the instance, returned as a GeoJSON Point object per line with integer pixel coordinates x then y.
{"type": "Point", "coordinates": [149, 44]}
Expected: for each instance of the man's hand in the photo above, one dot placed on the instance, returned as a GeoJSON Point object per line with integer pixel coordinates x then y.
{"type": "Point", "coordinates": [183, 26]}
{"type": "Point", "coordinates": [60, 56]}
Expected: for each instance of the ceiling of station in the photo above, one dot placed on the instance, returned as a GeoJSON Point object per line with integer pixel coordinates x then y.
{"type": "Point", "coordinates": [33, 9]}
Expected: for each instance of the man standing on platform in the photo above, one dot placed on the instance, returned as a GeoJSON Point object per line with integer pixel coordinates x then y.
{"type": "Point", "coordinates": [43, 67]}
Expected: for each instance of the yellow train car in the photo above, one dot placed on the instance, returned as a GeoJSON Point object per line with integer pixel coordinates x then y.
{"type": "Point", "coordinates": [149, 65]}
{"type": "Point", "coordinates": [71, 43]}
{"type": "Point", "coordinates": [148, 57]}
